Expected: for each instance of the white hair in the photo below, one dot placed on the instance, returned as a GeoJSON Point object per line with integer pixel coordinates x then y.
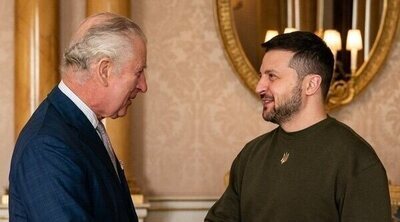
{"type": "Point", "coordinates": [111, 39]}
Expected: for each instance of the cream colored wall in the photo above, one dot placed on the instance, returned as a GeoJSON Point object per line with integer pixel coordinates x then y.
{"type": "Point", "coordinates": [197, 115]}
{"type": "Point", "coordinates": [6, 89]}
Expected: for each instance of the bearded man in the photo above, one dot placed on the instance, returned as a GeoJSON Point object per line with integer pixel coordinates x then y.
{"type": "Point", "coordinates": [311, 167]}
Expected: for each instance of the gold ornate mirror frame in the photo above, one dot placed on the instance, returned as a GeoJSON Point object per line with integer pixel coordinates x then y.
{"type": "Point", "coordinates": [341, 92]}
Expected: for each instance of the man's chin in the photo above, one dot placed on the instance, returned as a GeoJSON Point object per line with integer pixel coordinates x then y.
{"type": "Point", "coordinates": [269, 119]}
{"type": "Point", "coordinates": [117, 115]}
{"type": "Point", "coordinates": [270, 116]}
{"type": "Point", "coordinates": [114, 117]}
{"type": "Point", "coordinates": [121, 113]}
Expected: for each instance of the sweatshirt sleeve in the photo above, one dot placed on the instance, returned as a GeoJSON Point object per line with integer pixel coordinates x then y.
{"type": "Point", "coordinates": [227, 208]}
{"type": "Point", "coordinates": [367, 197]}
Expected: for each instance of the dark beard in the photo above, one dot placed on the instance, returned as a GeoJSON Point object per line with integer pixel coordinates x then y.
{"type": "Point", "coordinates": [285, 112]}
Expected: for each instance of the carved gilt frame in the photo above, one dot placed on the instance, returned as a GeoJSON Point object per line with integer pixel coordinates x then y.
{"type": "Point", "coordinates": [341, 92]}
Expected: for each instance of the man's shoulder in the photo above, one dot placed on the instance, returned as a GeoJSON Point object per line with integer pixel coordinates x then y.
{"type": "Point", "coordinates": [262, 138]}
{"type": "Point", "coordinates": [45, 121]}
{"type": "Point", "coordinates": [258, 143]}
{"type": "Point", "coordinates": [345, 135]}
{"type": "Point", "coordinates": [46, 126]}
{"type": "Point", "coordinates": [351, 146]}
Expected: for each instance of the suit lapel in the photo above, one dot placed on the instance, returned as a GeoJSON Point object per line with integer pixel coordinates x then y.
{"type": "Point", "coordinates": [75, 117]}
{"type": "Point", "coordinates": [127, 193]}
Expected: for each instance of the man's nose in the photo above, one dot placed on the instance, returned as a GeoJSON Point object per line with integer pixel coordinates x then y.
{"type": "Point", "coordinates": [261, 85]}
{"type": "Point", "coordinates": [142, 84]}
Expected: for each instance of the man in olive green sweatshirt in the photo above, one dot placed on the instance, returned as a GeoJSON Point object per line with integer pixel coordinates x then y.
{"type": "Point", "coordinates": [311, 168]}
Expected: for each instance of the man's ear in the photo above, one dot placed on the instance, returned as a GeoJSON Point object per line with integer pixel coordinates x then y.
{"type": "Point", "coordinates": [103, 71]}
{"type": "Point", "coordinates": [313, 83]}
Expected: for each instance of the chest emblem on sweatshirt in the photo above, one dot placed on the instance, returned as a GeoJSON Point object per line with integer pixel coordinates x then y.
{"type": "Point", "coordinates": [285, 157]}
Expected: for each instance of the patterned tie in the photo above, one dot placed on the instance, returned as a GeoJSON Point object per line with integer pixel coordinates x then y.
{"type": "Point", "coordinates": [107, 143]}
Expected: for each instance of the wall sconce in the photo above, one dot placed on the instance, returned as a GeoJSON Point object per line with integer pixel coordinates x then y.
{"type": "Point", "coordinates": [333, 40]}
{"type": "Point", "coordinates": [353, 44]}
{"type": "Point", "coordinates": [287, 30]}
{"type": "Point", "coordinates": [270, 34]}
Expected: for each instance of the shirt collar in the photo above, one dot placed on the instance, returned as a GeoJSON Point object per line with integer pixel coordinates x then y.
{"type": "Point", "coordinates": [79, 103]}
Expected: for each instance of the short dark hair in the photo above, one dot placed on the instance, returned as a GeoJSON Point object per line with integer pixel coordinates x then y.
{"type": "Point", "coordinates": [312, 55]}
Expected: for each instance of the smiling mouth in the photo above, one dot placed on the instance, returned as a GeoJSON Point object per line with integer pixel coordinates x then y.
{"type": "Point", "coordinates": [266, 99]}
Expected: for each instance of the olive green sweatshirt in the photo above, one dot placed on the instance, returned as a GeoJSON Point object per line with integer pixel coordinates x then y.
{"type": "Point", "coordinates": [323, 173]}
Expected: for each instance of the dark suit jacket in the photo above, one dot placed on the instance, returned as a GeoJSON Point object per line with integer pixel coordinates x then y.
{"type": "Point", "coordinates": [60, 169]}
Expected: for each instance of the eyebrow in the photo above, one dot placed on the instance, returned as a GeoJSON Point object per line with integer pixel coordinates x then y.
{"type": "Point", "coordinates": [268, 71]}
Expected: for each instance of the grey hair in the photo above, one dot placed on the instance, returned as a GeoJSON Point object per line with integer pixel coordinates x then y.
{"type": "Point", "coordinates": [111, 38]}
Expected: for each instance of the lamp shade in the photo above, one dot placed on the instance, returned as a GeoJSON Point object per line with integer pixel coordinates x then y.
{"type": "Point", "coordinates": [332, 39]}
{"type": "Point", "coordinates": [354, 41]}
{"type": "Point", "coordinates": [287, 30]}
{"type": "Point", "coordinates": [270, 34]}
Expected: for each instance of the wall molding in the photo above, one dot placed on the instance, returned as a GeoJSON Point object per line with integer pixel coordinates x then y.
{"type": "Point", "coordinates": [180, 203]}
{"type": "Point", "coordinates": [178, 209]}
